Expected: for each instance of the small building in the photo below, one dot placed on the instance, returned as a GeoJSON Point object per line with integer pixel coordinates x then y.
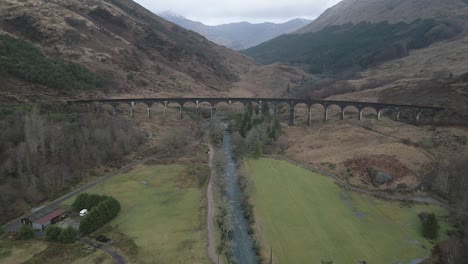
{"type": "Point", "coordinates": [40, 219]}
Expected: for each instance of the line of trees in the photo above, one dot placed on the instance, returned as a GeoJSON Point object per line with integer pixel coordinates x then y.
{"type": "Point", "coordinates": [449, 180]}
{"type": "Point", "coordinates": [87, 201]}
{"type": "Point", "coordinates": [430, 225]}
{"type": "Point", "coordinates": [44, 151]}
{"type": "Point", "coordinates": [448, 177]}
{"type": "Point", "coordinates": [246, 187]}
{"type": "Point", "coordinates": [99, 215]}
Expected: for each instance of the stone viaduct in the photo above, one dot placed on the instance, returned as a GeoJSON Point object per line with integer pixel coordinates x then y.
{"type": "Point", "coordinates": [415, 112]}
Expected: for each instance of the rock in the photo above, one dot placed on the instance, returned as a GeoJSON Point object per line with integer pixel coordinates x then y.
{"type": "Point", "coordinates": [379, 177]}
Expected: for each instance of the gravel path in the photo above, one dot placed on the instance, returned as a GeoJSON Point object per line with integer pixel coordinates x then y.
{"type": "Point", "coordinates": [118, 259]}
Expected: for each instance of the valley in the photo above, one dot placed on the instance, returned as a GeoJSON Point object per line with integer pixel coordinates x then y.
{"type": "Point", "coordinates": [132, 137]}
{"type": "Point", "coordinates": [238, 36]}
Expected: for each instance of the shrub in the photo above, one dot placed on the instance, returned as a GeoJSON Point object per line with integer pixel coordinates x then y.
{"type": "Point", "coordinates": [68, 235]}
{"type": "Point", "coordinates": [53, 232]}
{"type": "Point", "coordinates": [258, 151]}
{"type": "Point", "coordinates": [402, 186]}
{"type": "Point", "coordinates": [26, 232]}
{"type": "Point", "coordinates": [430, 227]}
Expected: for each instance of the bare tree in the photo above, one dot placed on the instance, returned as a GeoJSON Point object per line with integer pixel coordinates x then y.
{"type": "Point", "coordinates": [220, 161]}
{"type": "Point", "coordinates": [282, 143]}
{"type": "Point", "coordinates": [216, 133]}
{"type": "Point", "coordinates": [41, 155]}
{"type": "Point", "coordinates": [174, 141]}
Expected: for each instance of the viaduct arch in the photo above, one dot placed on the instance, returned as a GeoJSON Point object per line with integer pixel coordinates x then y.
{"type": "Point", "coordinates": [415, 112]}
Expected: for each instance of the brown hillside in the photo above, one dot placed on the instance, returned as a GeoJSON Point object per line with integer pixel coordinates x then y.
{"type": "Point", "coordinates": [426, 76]}
{"type": "Point", "coordinates": [139, 53]}
{"type": "Point", "coordinates": [393, 11]}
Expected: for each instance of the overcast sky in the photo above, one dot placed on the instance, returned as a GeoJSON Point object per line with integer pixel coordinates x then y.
{"type": "Point", "coordinates": [214, 12]}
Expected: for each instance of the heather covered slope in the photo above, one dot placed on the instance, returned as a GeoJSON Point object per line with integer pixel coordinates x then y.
{"type": "Point", "coordinates": [338, 48]}
{"type": "Point", "coordinates": [134, 51]}
{"type": "Point", "coordinates": [118, 40]}
{"type": "Point", "coordinates": [409, 52]}
{"type": "Point", "coordinates": [374, 11]}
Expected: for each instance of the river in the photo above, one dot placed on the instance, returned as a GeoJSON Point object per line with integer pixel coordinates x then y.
{"type": "Point", "coordinates": [242, 244]}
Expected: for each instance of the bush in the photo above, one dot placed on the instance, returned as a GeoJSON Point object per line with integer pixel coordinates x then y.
{"type": "Point", "coordinates": [258, 151]}
{"type": "Point", "coordinates": [87, 201]}
{"type": "Point", "coordinates": [68, 235]}
{"type": "Point", "coordinates": [53, 232]}
{"type": "Point", "coordinates": [100, 215]}
{"type": "Point", "coordinates": [26, 232]}
{"type": "Point", "coordinates": [402, 186]}
{"type": "Point", "coordinates": [431, 227]}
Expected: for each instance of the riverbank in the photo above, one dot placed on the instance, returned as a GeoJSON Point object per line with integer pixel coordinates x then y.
{"type": "Point", "coordinates": [242, 245]}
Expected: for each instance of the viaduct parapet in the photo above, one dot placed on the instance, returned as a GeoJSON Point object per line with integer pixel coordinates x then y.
{"type": "Point", "coordinates": [413, 110]}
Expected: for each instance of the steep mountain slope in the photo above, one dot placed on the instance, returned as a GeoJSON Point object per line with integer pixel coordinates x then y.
{"type": "Point", "coordinates": [238, 36]}
{"type": "Point", "coordinates": [338, 48]}
{"type": "Point", "coordinates": [355, 11]}
{"type": "Point", "coordinates": [135, 52]}
{"type": "Point", "coordinates": [411, 51]}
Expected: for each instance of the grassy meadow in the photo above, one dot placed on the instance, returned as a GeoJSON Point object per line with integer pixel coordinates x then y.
{"type": "Point", "coordinates": [306, 218]}
{"type": "Point", "coordinates": [163, 212]}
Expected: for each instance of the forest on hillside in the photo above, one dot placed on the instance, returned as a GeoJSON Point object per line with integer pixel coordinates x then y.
{"type": "Point", "coordinates": [338, 48]}
{"type": "Point", "coordinates": [45, 151]}
{"type": "Point", "coordinates": [22, 60]}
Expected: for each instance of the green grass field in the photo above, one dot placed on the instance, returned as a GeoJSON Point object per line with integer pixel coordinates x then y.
{"type": "Point", "coordinates": [306, 218]}
{"type": "Point", "coordinates": [162, 211]}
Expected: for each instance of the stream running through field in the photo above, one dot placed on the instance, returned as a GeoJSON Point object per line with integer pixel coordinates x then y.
{"type": "Point", "coordinates": [242, 244]}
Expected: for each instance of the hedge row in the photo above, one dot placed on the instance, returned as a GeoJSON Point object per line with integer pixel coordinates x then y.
{"type": "Point", "coordinates": [99, 215]}
{"type": "Point", "coordinates": [87, 201]}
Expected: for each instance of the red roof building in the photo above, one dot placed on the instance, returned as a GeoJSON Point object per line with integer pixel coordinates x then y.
{"type": "Point", "coordinates": [47, 218]}
{"type": "Point", "coordinates": [44, 217]}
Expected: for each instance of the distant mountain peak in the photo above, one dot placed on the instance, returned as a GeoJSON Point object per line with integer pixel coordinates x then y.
{"type": "Point", "coordinates": [374, 11]}
{"type": "Point", "coordinates": [170, 13]}
{"type": "Point", "coordinates": [238, 35]}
